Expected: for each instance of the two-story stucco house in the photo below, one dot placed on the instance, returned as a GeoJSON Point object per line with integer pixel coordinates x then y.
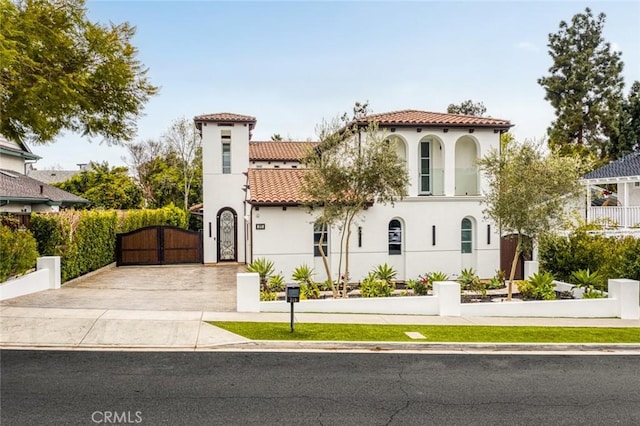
{"type": "Point", "coordinates": [253, 203]}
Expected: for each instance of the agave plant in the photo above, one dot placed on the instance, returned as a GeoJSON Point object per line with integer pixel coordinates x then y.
{"type": "Point", "coordinates": [588, 280]}
{"type": "Point", "coordinates": [263, 267]}
{"type": "Point", "coordinates": [385, 272]}
{"type": "Point", "coordinates": [438, 276]}
{"type": "Point", "coordinates": [470, 281]}
{"type": "Point", "coordinates": [303, 274]}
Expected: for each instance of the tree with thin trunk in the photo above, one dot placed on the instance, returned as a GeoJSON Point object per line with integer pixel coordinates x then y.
{"type": "Point", "coordinates": [183, 138]}
{"type": "Point", "coordinates": [353, 167]}
{"type": "Point", "coordinates": [141, 159]}
{"type": "Point", "coordinates": [528, 191]}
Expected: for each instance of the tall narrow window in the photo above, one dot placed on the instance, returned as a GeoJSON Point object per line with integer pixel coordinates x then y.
{"type": "Point", "coordinates": [467, 236]}
{"type": "Point", "coordinates": [425, 167]}
{"type": "Point", "coordinates": [320, 233]}
{"type": "Point", "coordinates": [226, 157]}
{"type": "Point", "coordinates": [395, 237]}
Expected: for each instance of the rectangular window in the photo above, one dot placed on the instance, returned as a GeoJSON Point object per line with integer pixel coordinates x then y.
{"type": "Point", "coordinates": [425, 167]}
{"type": "Point", "coordinates": [320, 232]}
{"type": "Point", "coordinates": [226, 158]}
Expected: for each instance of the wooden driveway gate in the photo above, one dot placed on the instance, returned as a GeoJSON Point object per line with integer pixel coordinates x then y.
{"type": "Point", "coordinates": [158, 245]}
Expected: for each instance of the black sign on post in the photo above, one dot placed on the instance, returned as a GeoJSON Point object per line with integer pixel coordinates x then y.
{"type": "Point", "coordinates": [293, 296]}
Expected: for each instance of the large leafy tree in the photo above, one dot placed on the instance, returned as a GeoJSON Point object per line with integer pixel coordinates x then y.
{"type": "Point", "coordinates": [354, 166]}
{"type": "Point", "coordinates": [468, 107]}
{"type": "Point", "coordinates": [105, 187]}
{"type": "Point", "coordinates": [584, 86]}
{"type": "Point", "coordinates": [61, 71]}
{"type": "Point", "coordinates": [527, 191]}
{"type": "Point", "coordinates": [628, 138]}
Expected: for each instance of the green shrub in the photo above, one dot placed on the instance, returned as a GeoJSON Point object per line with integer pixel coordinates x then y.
{"type": "Point", "coordinates": [18, 252]}
{"type": "Point", "coordinates": [539, 287]}
{"type": "Point", "coordinates": [497, 281]}
{"type": "Point", "coordinates": [421, 286]}
{"type": "Point", "coordinates": [85, 240]}
{"type": "Point", "coordinates": [169, 215]}
{"type": "Point", "coordinates": [611, 257]}
{"type": "Point", "coordinates": [593, 294]}
{"type": "Point", "coordinates": [372, 286]}
{"type": "Point", "coordinates": [470, 281]}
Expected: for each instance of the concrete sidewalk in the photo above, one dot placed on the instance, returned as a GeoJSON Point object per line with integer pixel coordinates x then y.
{"type": "Point", "coordinates": [109, 329]}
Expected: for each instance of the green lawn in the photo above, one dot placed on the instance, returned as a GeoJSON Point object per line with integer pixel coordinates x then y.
{"type": "Point", "coordinates": [433, 333]}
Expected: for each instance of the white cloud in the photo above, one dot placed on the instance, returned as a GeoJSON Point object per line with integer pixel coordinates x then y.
{"type": "Point", "coordinates": [615, 47]}
{"type": "Point", "coordinates": [526, 45]}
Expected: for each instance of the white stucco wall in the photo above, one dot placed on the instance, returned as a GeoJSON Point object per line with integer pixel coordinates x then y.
{"type": "Point", "coordinates": [223, 190]}
{"type": "Point", "coordinates": [287, 239]}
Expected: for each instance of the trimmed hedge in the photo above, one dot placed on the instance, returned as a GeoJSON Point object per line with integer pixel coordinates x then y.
{"type": "Point", "coordinates": [18, 252]}
{"type": "Point", "coordinates": [86, 240]}
{"type": "Point", "coordinates": [612, 257]}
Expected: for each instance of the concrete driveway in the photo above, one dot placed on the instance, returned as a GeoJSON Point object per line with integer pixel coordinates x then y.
{"type": "Point", "coordinates": [149, 288]}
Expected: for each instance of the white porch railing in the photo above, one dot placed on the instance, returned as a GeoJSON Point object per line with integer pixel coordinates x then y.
{"type": "Point", "coordinates": [625, 217]}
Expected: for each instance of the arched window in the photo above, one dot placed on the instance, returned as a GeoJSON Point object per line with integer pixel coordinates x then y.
{"type": "Point", "coordinates": [467, 236]}
{"type": "Point", "coordinates": [395, 237]}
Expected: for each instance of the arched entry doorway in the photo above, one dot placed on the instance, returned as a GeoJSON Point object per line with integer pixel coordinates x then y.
{"type": "Point", "coordinates": [227, 225]}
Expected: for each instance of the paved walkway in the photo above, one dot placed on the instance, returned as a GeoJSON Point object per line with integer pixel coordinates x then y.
{"type": "Point", "coordinates": [165, 308]}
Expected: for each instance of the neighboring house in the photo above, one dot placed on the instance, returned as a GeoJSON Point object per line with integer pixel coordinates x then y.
{"type": "Point", "coordinates": [55, 176]}
{"type": "Point", "coordinates": [252, 203]}
{"type": "Point", "coordinates": [22, 194]}
{"type": "Point", "coordinates": [623, 206]}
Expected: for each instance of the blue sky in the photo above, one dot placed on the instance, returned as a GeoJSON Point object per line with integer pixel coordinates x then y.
{"type": "Point", "coordinates": [291, 64]}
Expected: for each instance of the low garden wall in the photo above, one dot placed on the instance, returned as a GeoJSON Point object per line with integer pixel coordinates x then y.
{"type": "Point", "coordinates": [46, 277]}
{"type": "Point", "coordinates": [622, 302]}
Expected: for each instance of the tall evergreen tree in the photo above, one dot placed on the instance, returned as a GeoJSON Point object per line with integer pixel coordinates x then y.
{"type": "Point", "coordinates": [468, 107]}
{"type": "Point", "coordinates": [585, 86]}
{"type": "Point", "coordinates": [628, 138]}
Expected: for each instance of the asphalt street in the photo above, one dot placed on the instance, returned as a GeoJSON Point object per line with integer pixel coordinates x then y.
{"type": "Point", "coordinates": [239, 388]}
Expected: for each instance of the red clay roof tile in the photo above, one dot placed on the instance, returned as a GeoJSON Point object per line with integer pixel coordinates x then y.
{"type": "Point", "coordinates": [279, 150]}
{"type": "Point", "coordinates": [226, 117]}
{"type": "Point", "coordinates": [276, 186]}
{"type": "Point", "coordinates": [425, 118]}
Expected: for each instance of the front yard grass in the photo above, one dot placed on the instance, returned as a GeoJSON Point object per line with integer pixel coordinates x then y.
{"type": "Point", "coordinates": [433, 333]}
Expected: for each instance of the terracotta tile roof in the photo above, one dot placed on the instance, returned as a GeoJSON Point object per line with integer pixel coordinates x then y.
{"type": "Point", "coordinates": [411, 117]}
{"type": "Point", "coordinates": [629, 165]}
{"type": "Point", "coordinates": [16, 186]}
{"type": "Point", "coordinates": [279, 150]}
{"type": "Point", "coordinates": [276, 186]}
{"type": "Point", "coordinates": [226, 117]}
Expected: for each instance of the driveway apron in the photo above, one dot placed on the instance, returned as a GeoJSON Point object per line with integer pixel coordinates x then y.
{"type": "Point", "coordinates": [150, 288]}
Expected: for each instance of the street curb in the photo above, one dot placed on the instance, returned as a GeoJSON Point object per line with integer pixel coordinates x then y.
{"type": "Point", "coordinates": [338, 346]}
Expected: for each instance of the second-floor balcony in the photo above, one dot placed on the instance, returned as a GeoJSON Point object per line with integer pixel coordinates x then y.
{"type": "Point", "coordinates": [435, 183]}
{"type": "Point", "coordinates": [467, 182]}
{"type": "Point", "coordinates": [624, 217]}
